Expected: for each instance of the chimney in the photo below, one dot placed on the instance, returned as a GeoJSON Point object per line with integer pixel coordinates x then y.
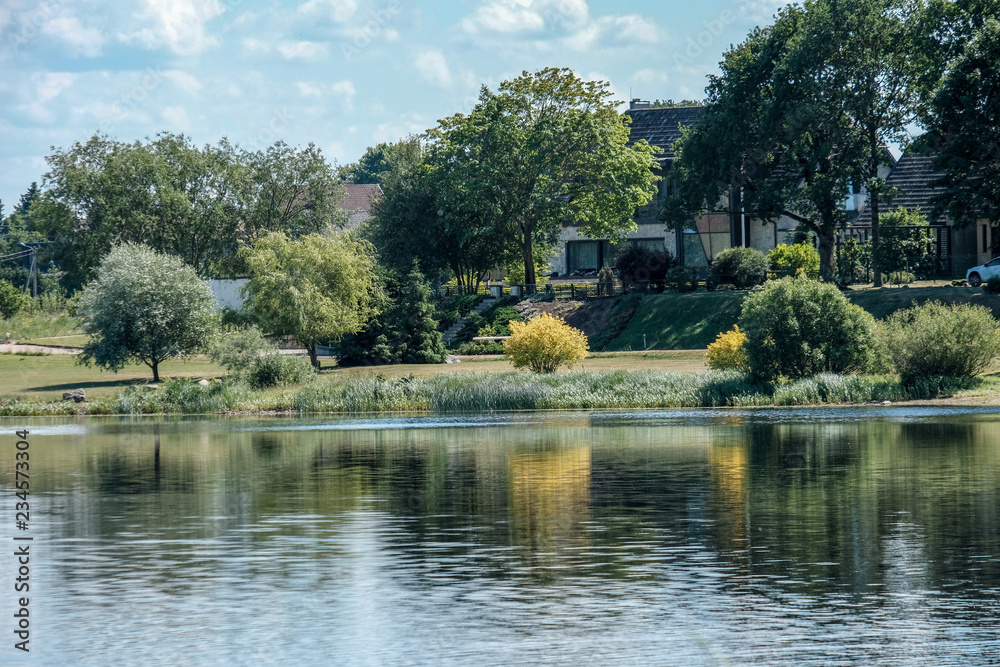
{"type": "Point", "coordinates": [636, 103]}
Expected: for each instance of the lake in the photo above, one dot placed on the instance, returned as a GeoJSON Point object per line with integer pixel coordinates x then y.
{"type": "Point", "coordinates": [835, 536]}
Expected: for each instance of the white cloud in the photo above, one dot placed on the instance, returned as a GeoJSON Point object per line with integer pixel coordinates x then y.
{"type": "Point", "coordinates": [434, 67]}
{"type": "Point", "coordinates": [302, 50]}
{"type": "Point", "coordinates": [339, 10]}
{"type": "Point", "coordinates": [85, 41]}
{"type": "Point", "coordinates": [635, 28]}
{"type": "Point", "coordinates": [308, 89]}
{"type": "Point", "coordinates": [178, 25]}
{"type": "Point", "coordinates": [650, 76]}
{"type": "Point", "coordinates": [47, 87]}
{"type": "Point", "coordinates": [176, 118]}
{"type": "Point", "coordinates": [183, 80]}
{"type": "Point", "coordinates": [346, 91]}
{"type": "Point", "coordinates": [514, 16]}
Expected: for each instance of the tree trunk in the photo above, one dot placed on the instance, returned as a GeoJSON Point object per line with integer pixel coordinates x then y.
{"type": "Point", "coordinates": [313, 356]}
{"type": "Point", "coordinates": [156, 371]}
{"type": "Point", "coordinates": [529, 266]}
{"type": "Point", "coordinates": [827, 258]}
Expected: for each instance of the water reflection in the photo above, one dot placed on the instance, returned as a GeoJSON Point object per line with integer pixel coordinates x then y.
{"type": "Point", "coordinates": [589, 538]}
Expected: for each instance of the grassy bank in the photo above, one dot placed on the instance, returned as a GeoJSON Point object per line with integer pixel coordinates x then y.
{"type": "Point", "coordinates": [492, 392]}
{"type": "Point", "coordinates": [692, 321]}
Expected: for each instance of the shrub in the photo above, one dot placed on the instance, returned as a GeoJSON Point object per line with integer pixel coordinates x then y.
{"type": "Point", "coordinates": [991, 286]}
{"type": "Point", "coordinates": [639, 264]}
{"type": "Point", "coordinates": [728, 352]}
{"type": "Point", "coordinates": [248, 355]}
{"type": "Point", "coordinates": [743, 267]}
{"type": "Point", "coordinates": [941, 340]}
{"type": "Point", "coordinates": [544, 344]}
{"type": "Point", "coordinates": [274, 369]}
{"type": "Point", "coordinates": [791, 258]}
{"type": "Point", "coordinates": [12, 300]}
{"type": "Point", "coordinates": [798, 328]}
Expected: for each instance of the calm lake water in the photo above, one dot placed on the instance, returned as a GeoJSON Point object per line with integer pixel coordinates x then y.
{"type": "Point", "coordinates": [797, 537]}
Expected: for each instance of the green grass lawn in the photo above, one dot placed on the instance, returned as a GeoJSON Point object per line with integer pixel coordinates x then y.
{"type": "Point", "coordinates": [692, 321]}
{"type": "Point", "coordinates": [48, 376]}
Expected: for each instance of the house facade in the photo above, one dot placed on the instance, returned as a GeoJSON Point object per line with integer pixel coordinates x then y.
{"type": "Point", "coordinates": [697, 245]}
{"type": "Point", "coordinates": [961, 247]}
{"type": "Point", "coordinates": [726, 227]}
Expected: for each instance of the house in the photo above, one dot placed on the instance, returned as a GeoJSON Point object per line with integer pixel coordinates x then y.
{"type": "Point", "coordinates": [695, 246]}
{"type": "Point", "coordinates": [959, 248]}
{"type": "Point", "coordinates": [359, 201]}
{"type": "Point", "coordinates": [726, 227]}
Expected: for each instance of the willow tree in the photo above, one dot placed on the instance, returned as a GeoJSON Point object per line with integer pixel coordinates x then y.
{"type": "Point", "coordinates": [546, 148]}
{"type": "Point", "coordinates": [315, 289]}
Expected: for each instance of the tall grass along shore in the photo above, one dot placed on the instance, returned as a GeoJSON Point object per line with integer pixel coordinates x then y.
{"type": "Point", "coordinates": [493, 392]}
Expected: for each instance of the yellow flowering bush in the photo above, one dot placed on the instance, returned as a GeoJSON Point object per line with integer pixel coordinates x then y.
{"type": "Point", "coordinates": [728, 352]}
{"type": "Point", "coordinates": [545, 343]}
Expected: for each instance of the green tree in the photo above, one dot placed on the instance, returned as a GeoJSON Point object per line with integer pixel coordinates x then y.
{"type": "Point", "coordinates": [962, 117]}
{"type": "Point", "coordinates": [144, 306]}
{"type": "Point", "coordinates": [546, 148]}
{"type": "Point", "coordinates": [802, 109]}
{"type": "Point", "coordinates": [419, 340]}
{"type": "Point", "coordinates": [315, 289]}
{"type": "Point", "coordinates": [420, 218]}
{"type": "Point", "coordinates": [381, 160]}
{"type": "Point", "coordinates": [404, 332]}
{"type": "Point", "coordinates": [200, 204]}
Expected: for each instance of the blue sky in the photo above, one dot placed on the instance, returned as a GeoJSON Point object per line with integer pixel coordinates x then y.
{"type": "Point", "coordinates": [343, 74]}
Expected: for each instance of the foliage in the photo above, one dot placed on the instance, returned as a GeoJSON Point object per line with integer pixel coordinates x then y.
{"type": "Point", "coordinates": [992, 286]}
{"type": "Point", "coordinates": [544, 344]}
{"type": "Point", "coordinates": [12, 300]}
{"type": "Point", "coordinates": [406, 330]}
{"type": "Point", "coordinates": [452, 308]}
{"type": "Point", "coordinates": [606, 281]}
{"type": "Point", "coordinates": [640, 264]}
{"type": "Point", "coordinates": [962, 115]}
{"type": "Point", "coordinates": [144, 306]}
{"type": "Point", "coordinates": [545, 148]}
{"type": "Point", "coordinates": [790, 258]}
{"type": "Point", "coordinates": [200, 204]}
{"type": "Point", "coordinates": [379, 161]}
{"type": "Point", "coordinates": [797, 328]}
{"type": "Point", "coordinates": [442, 233]}
{"type": "Point", "coordinates": [903, 248]}
{"type": "Point", "coordinates": [936, 339]}
{"type": "Point", "coordinates": [801, 110]}
{"type": "Point", "coordinates": [682, 279]}
{"type": "Point", "coordinates": [743, 267]}
{"type": "Point", "coordinates": [316, 289]}
{"type": "Point", "coordinates": [728, 352]}
{"type": "Point", "coordinates": [853, 262]}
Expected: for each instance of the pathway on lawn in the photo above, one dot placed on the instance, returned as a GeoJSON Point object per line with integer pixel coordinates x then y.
{"type": "Point", "coordinates": [36, 349]}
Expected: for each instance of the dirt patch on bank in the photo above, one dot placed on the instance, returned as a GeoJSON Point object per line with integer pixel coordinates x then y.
{"type": "Point", "coordinates": [588, 316]}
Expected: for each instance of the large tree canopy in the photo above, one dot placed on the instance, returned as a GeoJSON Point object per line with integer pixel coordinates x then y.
{"type": "Point", "coordinates": [546, 148]}
{"type": "Point", "coordinates": [802, 109]}
{"type": "Point", "coordinates": [200, 204]}
{"type": "Point", "coordinates": [963, 121]}
{"type": "Point", "coordinates": [144, 306]}
{"type": "Point", "coordinates": [315, 289]}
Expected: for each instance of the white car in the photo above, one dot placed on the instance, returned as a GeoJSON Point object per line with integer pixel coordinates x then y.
{"type": "Point", "coordinates": [978, 275]}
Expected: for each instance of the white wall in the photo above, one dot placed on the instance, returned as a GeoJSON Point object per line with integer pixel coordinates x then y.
{"type": "Point", "coordinates": [227, 293]}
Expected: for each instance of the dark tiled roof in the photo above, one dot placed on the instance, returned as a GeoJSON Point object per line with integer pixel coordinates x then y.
{"type": "Point", "coordinates": [912, 175]}
{"type": "Point", "coordinates": [661, 127]}
{"type": "Point", "coordinates": [360, 197]}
